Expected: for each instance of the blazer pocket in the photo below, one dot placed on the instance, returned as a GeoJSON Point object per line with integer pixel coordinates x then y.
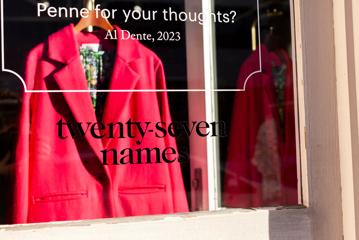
{"type": "Point", "coordinates": [55, 197]}
{"type": "Point", "coordinates": [144, 200]}
{"type": "Point", "coordinates": [146, 189]}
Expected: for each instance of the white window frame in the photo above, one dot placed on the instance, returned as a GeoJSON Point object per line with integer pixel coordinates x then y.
{"type": "Point", "coordinates": [327, 62]}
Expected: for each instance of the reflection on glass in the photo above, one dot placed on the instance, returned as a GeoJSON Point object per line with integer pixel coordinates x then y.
{"type": "Point", "coordinates": [259, 156]}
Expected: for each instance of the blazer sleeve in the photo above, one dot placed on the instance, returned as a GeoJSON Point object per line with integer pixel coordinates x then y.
{"type": "Point", "coordinates": [23, 148]}
{"type": "Point", "coordinates": [180, 203]}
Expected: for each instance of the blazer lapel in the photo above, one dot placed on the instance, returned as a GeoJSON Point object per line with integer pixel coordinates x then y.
{"type": "Point", "coordinates": [71, 80]}
{"type": "Point", "coordinates": [123, 78]}
{"type": "Point", "coordinates": [123, 82]}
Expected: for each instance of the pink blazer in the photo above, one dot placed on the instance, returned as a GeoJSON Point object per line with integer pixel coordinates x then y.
{"type": "Point", "coordinates": [64, 179]}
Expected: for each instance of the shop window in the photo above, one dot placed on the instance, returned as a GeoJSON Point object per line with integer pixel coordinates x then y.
{"type": "Point", "coordinates": [147, 116]}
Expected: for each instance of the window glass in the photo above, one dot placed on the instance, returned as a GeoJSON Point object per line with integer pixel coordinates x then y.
{"type": "Point", "coordinates": [103, 109]}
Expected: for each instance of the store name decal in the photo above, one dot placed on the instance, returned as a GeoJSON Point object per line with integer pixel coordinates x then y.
{"type": "Point", "coordinates": [140, 135]}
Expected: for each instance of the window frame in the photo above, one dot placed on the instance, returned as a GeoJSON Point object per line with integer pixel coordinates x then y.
{"type": "Point", "coordinates": [328, 96]}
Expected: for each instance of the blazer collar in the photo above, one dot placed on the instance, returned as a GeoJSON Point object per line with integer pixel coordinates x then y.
{"type": "Point", "coordinates": [63, 46]}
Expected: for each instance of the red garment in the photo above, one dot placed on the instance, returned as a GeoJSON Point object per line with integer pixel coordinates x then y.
{"type": "Point", "coordinates": [64, 179]}
{"type": "Point", "coordinates": [261, 164]}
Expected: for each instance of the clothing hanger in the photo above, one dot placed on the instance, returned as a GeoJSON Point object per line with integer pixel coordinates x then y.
{"type": "Point", "coordinates": [92, 21]}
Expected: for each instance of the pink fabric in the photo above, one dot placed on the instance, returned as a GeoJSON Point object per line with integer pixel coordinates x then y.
{"type": "Point", "coordinates": [261, 163]}
{"type": "Point", "coordinates": [60, 179]}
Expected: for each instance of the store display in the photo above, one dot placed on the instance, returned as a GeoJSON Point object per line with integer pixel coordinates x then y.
{"type": "Point", "coordinates": [150, 118]}
{"type": "Point", "coordinates": [60, 179]}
